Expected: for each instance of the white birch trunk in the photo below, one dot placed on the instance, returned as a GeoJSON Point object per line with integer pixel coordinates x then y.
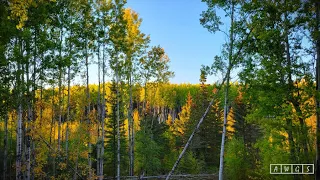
{"type": "Point", "coordinates": [118, 125]}
{"type": "Point", "coordinates": [103, 114]}
{"type": "Point", "coordinates": [68, 114]}
{"type": "Point", "coordinates": [60, 98]}
{"type": "Point", "coordinates": [19, 126]}
{"type": "Point", "coordinates": [130, 128]}
{"type": "Point", "coordinates": [226, 97]}
{"type": "Point", "coordinates": [88, 113]}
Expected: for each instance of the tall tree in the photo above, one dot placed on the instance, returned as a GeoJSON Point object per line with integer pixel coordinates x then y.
{"type": "Point", "coordinates": [211, 21]}
{"type": "Point", "coordinates": [103, 22]}
{"type": "Point", "coordinates": [276, 44]}
{"type": "Point", "coordinates": [112, 133]}
{"type": "Point", "coordinates": [117, 37]}
{"type": "Point", "coordinates": [5, 86]}
{"type": "Point", "coordinates": [136, 42]}
{"type": "Point", "coordinates": [206, 143]}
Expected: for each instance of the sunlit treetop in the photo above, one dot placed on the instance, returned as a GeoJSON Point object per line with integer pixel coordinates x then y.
{"type": "Point", "coordinates": [19, 10]}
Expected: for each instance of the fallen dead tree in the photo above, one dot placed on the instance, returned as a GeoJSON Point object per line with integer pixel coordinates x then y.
{"type": "Point", "coordinates": [180, 176]}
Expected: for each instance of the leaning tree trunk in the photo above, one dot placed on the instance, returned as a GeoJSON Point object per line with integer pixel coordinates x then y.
{"type": "Point", "coordinates": [208, 108]}
{"type": "Point", "coordinates": [193, 133]}
{"type": "Point", "coordinates": [226, 97]}
{"type": "Point", "coordinates": [224, 130]}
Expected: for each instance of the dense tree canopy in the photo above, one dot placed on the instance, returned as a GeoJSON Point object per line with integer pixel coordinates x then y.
{"type": "Point", "coordinates": [140, 124]}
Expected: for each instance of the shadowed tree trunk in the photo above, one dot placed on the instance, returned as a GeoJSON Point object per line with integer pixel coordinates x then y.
{"type": "Point", "coordinates": [5, 153]}
{"type": "Point", "coordinates": [118, 125]}
{"type": "Point", "coordinates": [88, 112]}
{"type": "Point", "coordinates": [19, 121]}
{"type": "Point", "coordinates": [317, 6]}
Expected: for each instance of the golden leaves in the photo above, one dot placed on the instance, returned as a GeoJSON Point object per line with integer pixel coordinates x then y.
{"type": "Point", "coordinates": [19, 10]}
{"type": "Point", "coordinates": [62, 165]}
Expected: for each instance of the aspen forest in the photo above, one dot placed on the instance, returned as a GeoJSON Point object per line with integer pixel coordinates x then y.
{"type": "Point", "coordinates": [84, 94]}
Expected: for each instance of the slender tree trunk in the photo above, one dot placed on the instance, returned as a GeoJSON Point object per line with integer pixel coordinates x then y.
{"type": "Point", "coordinates": [118, 125]}
{"type": "Point", "coordinates": [193, 133]}
{"type": "Point", "coordinates": [144, 109]}
{"type": "Point", "coordinates": [52, 114]}
{"type": "Point", "coordinates": [75, 175]}
{"type": "Point", "coordinates": [132, 145]}
{"type": "Point", "coordinates": [129, 131]}
{"type": "Point", "coordinates": [19, 123]}
{"type": "Point", "coordinates": [153, 117]}
{"type": "Point", "coordinates": [99, 170]}
{"type": "Point", "coordinates": [88, 112]}
{"type": "Point", "coordinates": [63, 88]}
{"type": "Point", "coordinates": [103, 114]}
{"type": "Point", "coordinates": [99, 121]}
{"type": "Point", "coordinates": [289, 120]}
{"type": "Point", "coordinates": [68, 114]}
{"type": "Point", "coordinates": [114, 149]}
{"type": "Point", "coordinates": [291, 95]}
{"type": "Point", "coordinates": [19, 143]}
{"type": "Point", "coordinates": [5, 142]}
{"type": "Point", "coordinates": [41, 98]}
{"type": "Point", "coordinates": [68, 108]}
{"type": "Point", "coordinates": [33, 119]}
{"type": "Point", "coordinates": [317, 5]}
{"type": "Point", "coordinates": [12, 129]}
{"type": "Point", "coordinates": [52, 132]}
{"type": "Point", "coordinates": [130, 128]}
{"type": "Point", "coordinates": [102, 138]}
{"type": "Point", "coordinates": [226, 98]}
{"type": "Point", "coordinates": [29, 117]}
{"type": "Point", "coordinates": [224, 130]}
{"type": "Point", "coordinates": [5, 153]}
{"type": "Point", "coordinates": [60, 95]}
{"type": "Point", "coordinates": [28, 134]}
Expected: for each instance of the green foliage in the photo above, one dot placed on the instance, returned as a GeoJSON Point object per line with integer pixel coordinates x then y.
{"type": "Point", "coordinates": [147, 154]}
{"type": "Point", "coordinates": [271, 154]}
{"type": "Point", "coordinates": [271, 109]}
{"type": "Point", "coordinates": [206, 142]}
{"type": "Point", "coordinates": [190, 164]}
{"type": "Point", "coordinates": [236, 159]}
{"type": "Point", "coordinates": [111, 136]}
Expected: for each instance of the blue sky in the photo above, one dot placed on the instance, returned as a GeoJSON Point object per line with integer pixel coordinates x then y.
{"type": "Point", "coordinates": [174, 25]}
